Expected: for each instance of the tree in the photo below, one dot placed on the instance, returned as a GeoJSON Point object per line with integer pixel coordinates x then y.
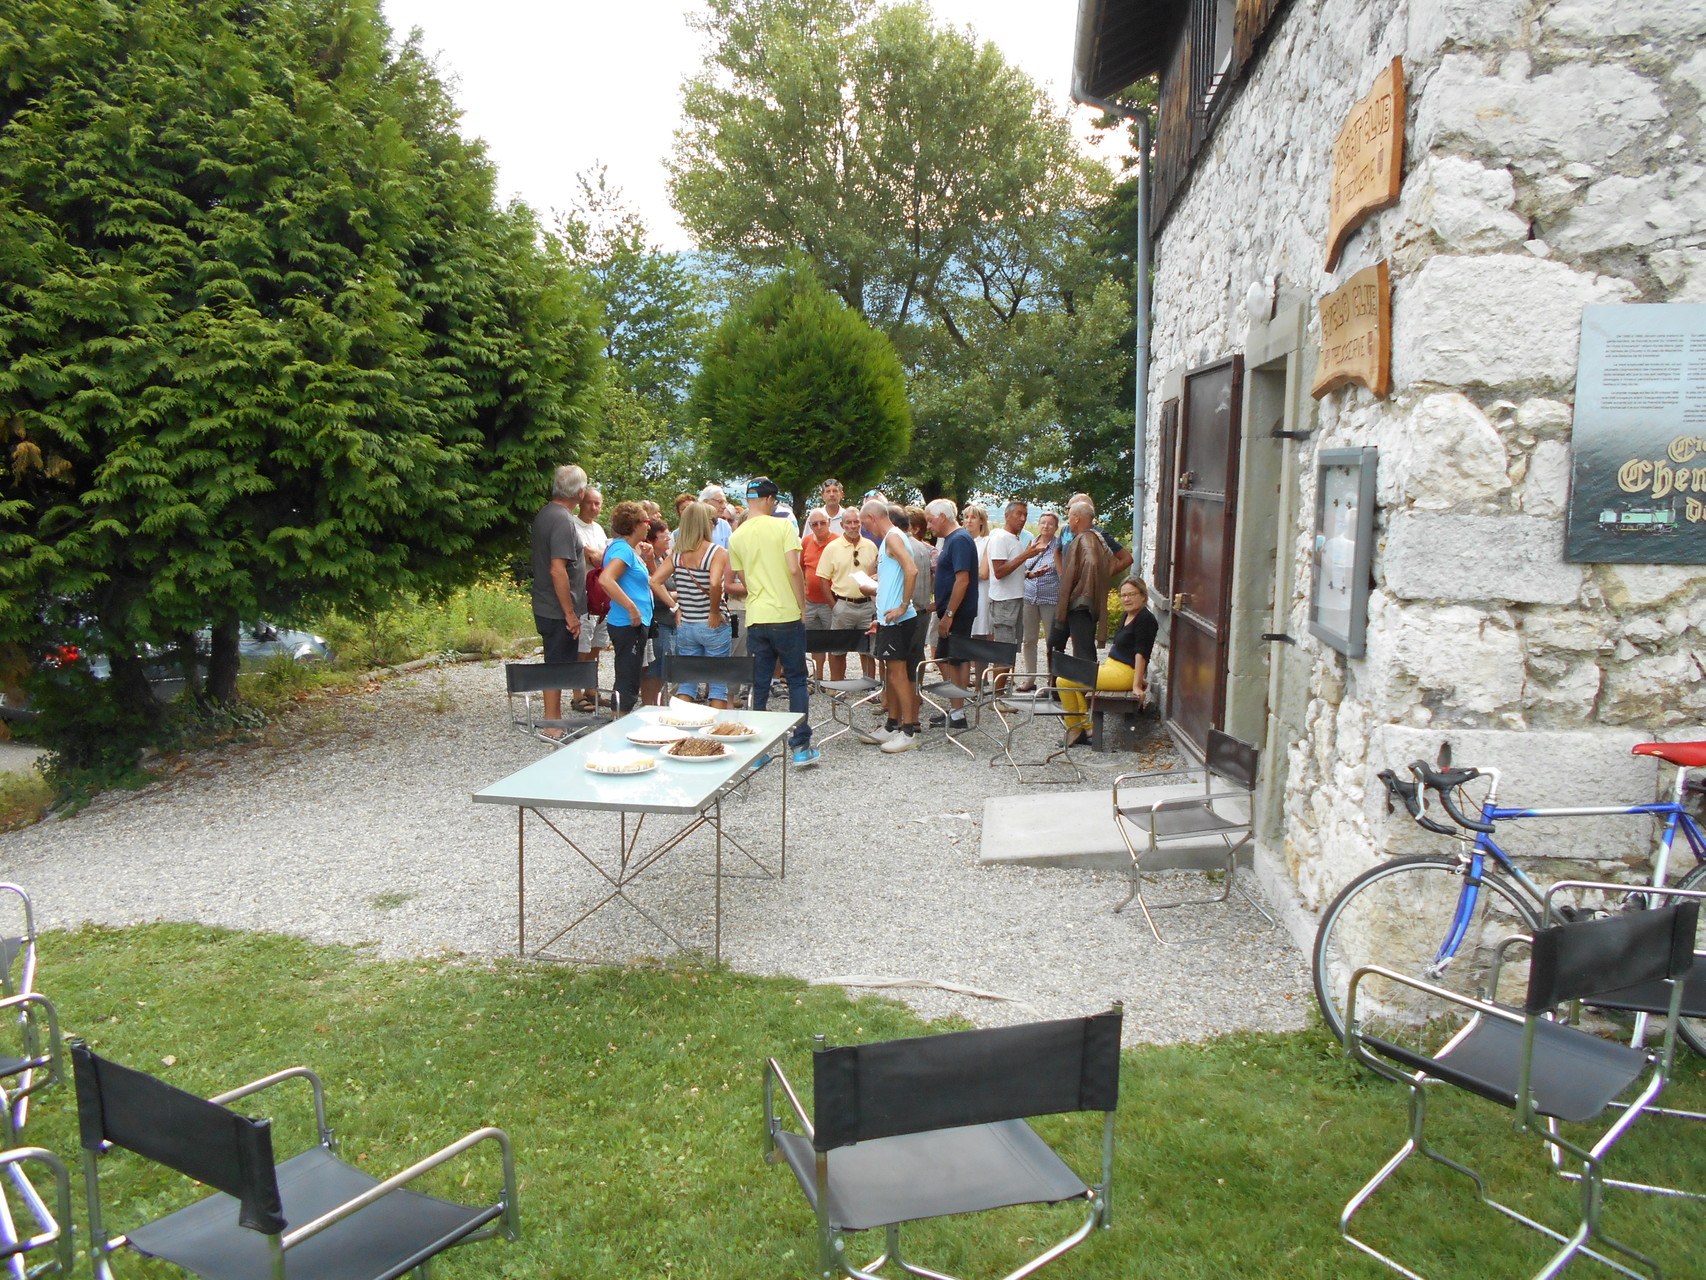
{"type": "Point", "coordinates": [652, 302]}
{"type": "Point", "coordinates": [266, 342]}
{"type": "Point", "coordinates": [938, 194]}
{"type": "Point", "coordinates": [796, 385]}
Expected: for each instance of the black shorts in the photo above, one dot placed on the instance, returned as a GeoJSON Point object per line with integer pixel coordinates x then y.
{"type": "Point", "coordinates": [894, 641]}
{"type": "Point", "coordinates": [560, 646]}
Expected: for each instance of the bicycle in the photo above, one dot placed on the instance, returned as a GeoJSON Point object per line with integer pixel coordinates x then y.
{"type": "Point", "coordinates": [1441, 917]}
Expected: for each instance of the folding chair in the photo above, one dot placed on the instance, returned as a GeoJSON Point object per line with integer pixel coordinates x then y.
{"type": "Point", "coordinates": [736, 672]}
{"type": "Point", "coordinates": [907, 1130]}
{"type": "Point", "coordinates": [36, 1051]}
{"type": "Point", "coordinates": [1044, 703]}
{"type": "Point", "coordinates": [18, 945]}
{"type": "Point", "coordinates": [941, 692]}
{"type": "Point", "coordinates": [851, 693]}
{"type": "Point", "coordinates": [525, 679]}
{"type": "Point", "coordinates": [1542, 1069]}
{"type": "Point", "coordinates": [348, 1225]}
{"type": "Point", "coordinates": [1192, 819]}
{"type": "Point", "coordinates": [53, 1228]}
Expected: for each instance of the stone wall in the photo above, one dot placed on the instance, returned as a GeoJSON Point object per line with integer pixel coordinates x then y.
{"type": "Point", "coordinates": [1555, 158]}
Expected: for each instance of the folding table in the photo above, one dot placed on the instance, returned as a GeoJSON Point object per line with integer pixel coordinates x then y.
{"type": "Point", "coordinates": [562, 781]}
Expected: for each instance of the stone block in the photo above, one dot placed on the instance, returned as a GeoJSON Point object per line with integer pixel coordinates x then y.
{"type": "Point", "coordinates": [1544, 417]}
{"type": "Point", "coordinates": [1435, 24]}
{"type": "Point", "coordinates": [1683, 273]}
{"type": "Point", "coordinates": [1546, 488]}
{"type": "Point", "coordinates": [1658, 692]}
{"type": "Point", "coordinates": [1460, 656]}
{"type": "Point", "coordinates": [1543, 769]}
{"type": "Point", "coordinates": [1429, 556]}
{"type": "Point", "coordinates": [1441, 454]}
{"type": "Point", "coordinates": [1640, 585]}
{"type": "Point", "coordinates": [1580, 111]}
{"type": "Point", "coordinates": [1596, 20]}
{"type": "Point", "coordinates": [1495, 320]}
{"type": "Point", "coordinates": [1571, 631]}
{"type": "Point", "coordinates": [1462, 205]}
{"type": "Point", "coordinates": [1621, 212]}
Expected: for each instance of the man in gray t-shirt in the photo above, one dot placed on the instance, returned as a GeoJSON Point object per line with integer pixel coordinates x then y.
{"type": "Point", "coordinates": [559, 577]}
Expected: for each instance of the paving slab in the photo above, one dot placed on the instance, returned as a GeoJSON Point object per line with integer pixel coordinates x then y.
{"type": "Point", "coordinates": [1049, 828]}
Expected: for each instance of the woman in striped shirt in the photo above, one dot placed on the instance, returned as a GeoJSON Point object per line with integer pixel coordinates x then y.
{"type": "Point", "coordinates": [696, 578]}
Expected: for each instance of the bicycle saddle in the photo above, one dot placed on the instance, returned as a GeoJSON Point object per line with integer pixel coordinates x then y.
{"type": "Point", "coordinates": [1685, 755]}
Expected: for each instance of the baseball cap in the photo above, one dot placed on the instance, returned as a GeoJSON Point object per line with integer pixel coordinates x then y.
{"type": "Point", "coordinates": [761, 487]}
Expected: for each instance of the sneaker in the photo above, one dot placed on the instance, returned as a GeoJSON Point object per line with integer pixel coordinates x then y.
{"type": "Point", "coordinates": [902, 741]}
{"type": "Point", "coordinates": [806, 757]}
{"type": "Point", "coordinates": [874, 737]}
{"type": "Point", "coordinates": [760, 761]}
{"type": "Point", "coordinates": [951, 722]}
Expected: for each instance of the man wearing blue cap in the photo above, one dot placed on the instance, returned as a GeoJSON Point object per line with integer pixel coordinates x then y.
{"type": "Point", "coordinates": [766, 553]}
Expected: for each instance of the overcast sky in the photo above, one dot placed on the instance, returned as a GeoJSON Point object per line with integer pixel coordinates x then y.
{"type": "Point", "coordinates": [554, 86]}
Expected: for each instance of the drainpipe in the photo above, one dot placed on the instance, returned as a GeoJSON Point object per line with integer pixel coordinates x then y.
{"type": "Point", "coordinates": [1141, 306]}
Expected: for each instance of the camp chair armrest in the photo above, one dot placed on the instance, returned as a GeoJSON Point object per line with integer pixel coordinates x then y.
{"type": "Point", "coordinates": [1432, 989]}
{"type": "Point", "coordinates": [30, 1001]}
{"type": "Point", "coordinates": [279, 1077]}
{"type": "Point", "coordinates": [1498, 965]}
{"type": "Point", "coordinates": [55, 1232]}
{"type": "Point", "coordinates": [1175, 803]}
{"type": "Point", "coordinates": [1622, 890]}
{"type": "Point", "coordinates": [773, 1076]}
{"type": "Point", "coordinates": [293, 1238]}
{"type": "Point", "coordinates": [1176, 774]}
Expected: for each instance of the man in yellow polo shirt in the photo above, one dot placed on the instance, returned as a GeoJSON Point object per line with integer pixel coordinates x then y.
{"type": "Point", "coordinates": [765, 551]}
{"type": "Point", "coordinates": [851, 553]}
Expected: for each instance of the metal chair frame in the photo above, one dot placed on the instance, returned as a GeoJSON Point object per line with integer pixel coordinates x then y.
{"type": "Point", "coordinates": [53, 1230]}
{"type": "Point", "coordinates": [989, 690]}
{"type": "Point", "coordinates": [1042, 702]}
{"type": "Point", "coordinates": [848, 694]}
{"type": "Point", "coordinates": [1527, 1118]}
{"type": "Point", "coordinates": [525, 679]}
{"type": "Point", "coordinates": [507, 1223]}
{"type": "Point", "coordinates": [1194, 818]}
{"type": "Point", "coordinates": [833, 1257]}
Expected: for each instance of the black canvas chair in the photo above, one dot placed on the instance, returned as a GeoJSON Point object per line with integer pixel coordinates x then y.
{"type": "Point", "coordinates": [1148, 826]}
{"type": "Point", "coordinates": [526, 680]}
{"type": "Point", "coordinates": [848, 695]}
{"type": "Point", "coordinates": [906, 1130]}
{"type": "Point", "coordinates": [1542, 1069]}
{"type": "Point", "coordinates": [985, 692]}
{"type": "Point", "coordinates": [312, 1217]}
{"type": "Point", "coordinates": [736, 672]}
{"type": "Point", "coordinates": [50, 1239]}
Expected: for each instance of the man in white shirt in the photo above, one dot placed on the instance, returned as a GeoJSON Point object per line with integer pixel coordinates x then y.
{"type": "Point", "coordinates": [595, 633]}
{"type": "Point", "coordinates": [832, 495]}
{"type": "Point", "coordinates": [1005, 552]}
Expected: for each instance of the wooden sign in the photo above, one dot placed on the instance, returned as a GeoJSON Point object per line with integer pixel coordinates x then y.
{"type": "Point", "coordinates": [1368, 159]}
{"type": "Point", "coordinates": [1356, 334]}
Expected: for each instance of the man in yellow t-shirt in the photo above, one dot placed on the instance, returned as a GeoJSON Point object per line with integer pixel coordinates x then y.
{"type": "Point", "coordinates": [765, 551]}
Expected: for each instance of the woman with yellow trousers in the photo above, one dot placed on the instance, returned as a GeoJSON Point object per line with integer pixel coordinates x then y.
{"type": "Point", "coordinates": [1125, 668]}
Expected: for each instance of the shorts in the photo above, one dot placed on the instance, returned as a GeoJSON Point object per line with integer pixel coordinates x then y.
{"type": "Point", "coordinates": [895, 640]}
{"type": "Point", "coordinates": [560, 646]}
{"type": "Point", "coordinates": [962, 627]}
{"type": "Point", "coordinates": [595, 632]}
{"type": "Point", "coordinates": [1004, 620]}
{"type": "Point", "coordinates": [819, 616]}
{"type": "Point", "coordinates": [854, 615]}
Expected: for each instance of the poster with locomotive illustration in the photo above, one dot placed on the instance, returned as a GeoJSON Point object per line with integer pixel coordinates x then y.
{"type": "Point", "coordinates": [1638, 472]}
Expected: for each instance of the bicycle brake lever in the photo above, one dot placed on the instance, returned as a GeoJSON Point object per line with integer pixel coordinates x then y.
{"type": "Point", "coordinates": [1411, 794]}
{"type": "Point", "coordinates": [1444, 782]}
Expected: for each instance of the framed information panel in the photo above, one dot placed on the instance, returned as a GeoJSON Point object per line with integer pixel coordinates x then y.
{"type": "Point", "coordinates": [1344, 548]}
{"type": "Point", "coordinates": [1638, 446]}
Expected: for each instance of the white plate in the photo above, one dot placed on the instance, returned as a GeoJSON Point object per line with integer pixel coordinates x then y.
{"type": "Point", "coordinates": [618, 762]}
{"type": "Point", "coordinates": [747, 732]}
{"type": "Point", "coordinates": [726, 753]}
{"type": "Point", "coordinates": [657, 735]}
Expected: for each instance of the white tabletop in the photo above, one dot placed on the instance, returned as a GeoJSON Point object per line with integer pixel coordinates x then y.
{"type": "Point", "coordinates": [562, 781]}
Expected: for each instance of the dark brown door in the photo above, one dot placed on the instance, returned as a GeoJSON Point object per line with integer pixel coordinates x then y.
{"type": "Point", "coordinates": [1205, 497]}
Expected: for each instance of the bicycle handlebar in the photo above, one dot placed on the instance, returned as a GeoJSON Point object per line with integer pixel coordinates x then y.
{"type": "Point", "coordinates": [1410, 794]}
{"type": "Point", "coordinates": [1445, 781]}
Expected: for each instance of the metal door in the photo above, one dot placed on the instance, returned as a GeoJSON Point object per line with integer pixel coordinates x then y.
{"type": "Point", "coordinates": [1205, 497]}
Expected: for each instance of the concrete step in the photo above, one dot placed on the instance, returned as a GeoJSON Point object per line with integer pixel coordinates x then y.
{"type": "Point", "coordinates": [17, 757]}
{"type": "Point", "coordinates": [1051, 828]}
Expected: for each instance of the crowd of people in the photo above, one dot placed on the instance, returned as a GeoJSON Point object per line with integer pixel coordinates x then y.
{"type": "Point", "coordinates": [749, 581]}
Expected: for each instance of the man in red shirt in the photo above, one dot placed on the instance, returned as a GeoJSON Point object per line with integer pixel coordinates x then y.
{"type": "Point", "coordinates": [819, 603]}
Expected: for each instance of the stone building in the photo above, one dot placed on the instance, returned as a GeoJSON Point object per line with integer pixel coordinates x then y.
{"type": "Point", "coordinates": [1553, 158]}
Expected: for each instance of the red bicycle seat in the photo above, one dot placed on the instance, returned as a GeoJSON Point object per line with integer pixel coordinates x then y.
{"type": "Point", "coordinates": [1685, 755]}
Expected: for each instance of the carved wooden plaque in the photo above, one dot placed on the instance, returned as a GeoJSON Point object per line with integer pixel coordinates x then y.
{"type": "Point", "coordinates": [1356, 334]}
{"type": "Point", "coordinates": [1368, 159]}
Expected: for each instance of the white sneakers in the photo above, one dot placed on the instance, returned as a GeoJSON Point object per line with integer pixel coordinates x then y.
{"type": "Point", "coordinates": [900, 740]}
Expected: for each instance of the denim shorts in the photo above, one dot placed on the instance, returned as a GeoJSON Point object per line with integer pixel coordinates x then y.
{"type": "Point", "coordinates": [695, 639]}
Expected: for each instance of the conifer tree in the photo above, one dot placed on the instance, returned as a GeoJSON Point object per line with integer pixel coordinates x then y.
{"type": "Point", "coordinates": [266, 341]}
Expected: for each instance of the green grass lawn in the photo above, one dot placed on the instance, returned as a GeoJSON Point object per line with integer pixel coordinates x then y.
{"type": "Point", "coordinates": [633, 1098]}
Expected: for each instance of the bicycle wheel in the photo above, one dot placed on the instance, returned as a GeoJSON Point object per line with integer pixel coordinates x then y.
{"type": "Point", "coordinates": [1399, 914]}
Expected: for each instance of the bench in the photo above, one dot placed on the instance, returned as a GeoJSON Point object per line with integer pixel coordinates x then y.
{"type": "Point", "coordinates": [1114, 719]}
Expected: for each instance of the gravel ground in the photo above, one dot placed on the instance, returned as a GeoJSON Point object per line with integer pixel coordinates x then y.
{"type": "Point", "coordinates": [352, 823]}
